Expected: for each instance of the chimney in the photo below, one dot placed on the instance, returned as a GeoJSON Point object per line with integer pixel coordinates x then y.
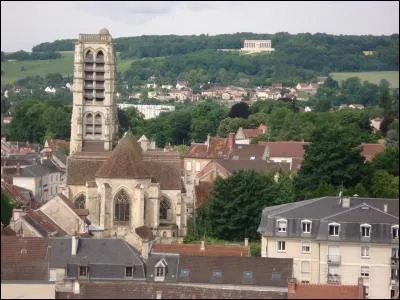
{"type": "Point", "coordinates": [231, 141]}
{"type": "Point", "coordinates": [291, 286]}
{"type": "Point", "coordinates": [202, 246]}
{"type": "Point", "coordinates": [158, 294]}
{"type": "Point", "coordinates": [145, 249]}
{"type": "Point", "coordinates": [385, 207]}
{"type": "Point", "coordinates": [246, 242]}
{"type": "Point", "coordinates": [18, 169]}
{"type": "Point", "coordinates": [76, 287]}
{"type": "Point", "coordinates": [17, 213]}
{"type": "Point", "coordinates": [361, 288]}
{"type": "Point", "coordinates": [75, 243]}
{"type": "Point", "coordinates": [346, 202]}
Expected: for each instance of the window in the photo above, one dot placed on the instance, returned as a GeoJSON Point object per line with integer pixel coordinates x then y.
{"type": "Point", "coordinates": [217, 274]}
{"type": "Point", "coordinates": [364, 271]}
{"type": "Point", "coordinates": [247, 275]}
{"type": "Point", "coordinates": [276, 275]}
{"type": "Point", "coordinates": [281, 246]}
{"type": "Point", "coordinates": [83, 271]}
{"type": "Point", "coordinates": [364, 251]}
{"type": "Point", "coordinates": [188, 166]}
{"type": "Point", "coordinates": [365, 230]}
{"type": "Point", "coordinates": [395, 252]}
{"type": "Point", "coordinates": [129, 272]}
{"type": "Point", "coordinates": [281, 224]}
{"type": "Point", "coordinates": [395, 232]}
{"type": "Point", "coordinates": [121, 212]}
{"type": "Point", "coordinates": [165, 209]}
{"type": "Point", "coordinates": [80, 201]}
{"type": "Point", "coordinates": [306, 226]}
{"type": "Point", "coordinates": [305, 281]}
{"type": "Point", "coordinates": [184, 273]}
{"type": "Point", "coordinates": [97, 124]}
{"type": "Point", "coordinates": [160, 272]}
{"type": "Point", "coordinates": [89, 124]}
{"type": "Point", "coordinates": [305, 267]}
{"type": "Point", "coordinates": [334, 229]}
{"type": "Point", "coordinates": [197, 167]}
{"type": "Point", "coordinates": [305, 247]}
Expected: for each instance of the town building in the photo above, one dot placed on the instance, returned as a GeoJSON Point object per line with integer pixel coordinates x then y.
{"type": "Point", "coordinates": [336, 240]}
{"type": "Point", "coordinates": [244, 136]}
{"type": "Point", "coordinates": [254, 46]}
{"type": "Point", "coordinates": [149, 111]}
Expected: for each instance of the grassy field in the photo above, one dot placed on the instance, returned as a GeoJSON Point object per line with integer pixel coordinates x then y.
{"type": "Point", "coordinates": [373, 77]}
{"type": "Point", "coordinates": [14, 70]}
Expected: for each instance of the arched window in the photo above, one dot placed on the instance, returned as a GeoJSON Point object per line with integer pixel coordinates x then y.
{"type": "Point", "coordinates": [89, 124]}
{"type": "Point", "coordinates": [100, 57]}
{"type": "Point", "coordinates": [165, 208]}
{"type": "Point", "coordinates": [89, 56]}
{"type": "Point", "coordinates": [97, 124]}
{"type": "Point", "coordinates": [80, 201]}
{"type": "Point", "coordinates": [121, 212]}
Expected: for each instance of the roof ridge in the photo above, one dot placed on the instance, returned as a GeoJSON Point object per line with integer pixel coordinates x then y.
{"type": "Point", "coordinates": [300, 204]}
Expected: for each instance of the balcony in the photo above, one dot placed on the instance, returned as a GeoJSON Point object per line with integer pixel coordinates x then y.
{"type": "Point", "coordinates": [333, 259]}
{"type": "Point", "coordinates": [89, 59]}
{"type": "Point", "coordinates": [99, 68]}
{"type": "Point", "coordinates": [89, 68]}
{"type": "Point", "coordinates": [89, 86]}
{"type": "Point", "coordinates": [100, 78]}
{"type": "Point", "coordinates": [100, 60]}
{"type": "Point", "coordinates": [333, 278]}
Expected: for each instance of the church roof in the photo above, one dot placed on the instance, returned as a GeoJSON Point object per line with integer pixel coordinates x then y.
{"type": "Point", "coordinates": [125, 161]}
{"type": "Point", "coordinates": [82, 170]}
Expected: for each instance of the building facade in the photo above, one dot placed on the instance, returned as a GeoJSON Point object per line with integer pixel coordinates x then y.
{"type": "Point", "coordinates": [257, 46]}
{"type": "Point", "coordinates": [335, 240]}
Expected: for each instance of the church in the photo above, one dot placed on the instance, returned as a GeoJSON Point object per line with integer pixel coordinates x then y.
{"type": "Point", "coordinates": [123, 187]}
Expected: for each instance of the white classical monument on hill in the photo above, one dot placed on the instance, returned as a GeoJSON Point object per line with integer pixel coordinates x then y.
{"type": "Point", "coordinates": [252, 46]}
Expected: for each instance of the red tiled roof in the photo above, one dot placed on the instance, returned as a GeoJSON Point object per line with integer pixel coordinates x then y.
{"type": "Point", "coordinates": [285, 148]}
{"type": "Point", "coordinates": [209, 250]}
{"type": "Point", "coordinates": [43, 224]}
{"type": "Point", "coordinates": [250, 133]}
{"type": "Point", "coordinates": [11, 246]}
{"type": "Point", "coordinates": [15, 193]}
{"type": "Point", "coordinates": [369, 151]}
{"type": "Point", "coordinates": [217, 148]}
{"type": "Point", "coordinates": [324, 291]}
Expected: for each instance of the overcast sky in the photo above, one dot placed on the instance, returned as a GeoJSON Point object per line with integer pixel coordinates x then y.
{"type": "Point", "coordinates": [26, 24]}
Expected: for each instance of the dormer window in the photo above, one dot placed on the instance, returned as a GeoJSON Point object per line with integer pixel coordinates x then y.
{"type": "Point", "coordinates": [281, 224]}
{"type": "Point", "coordinates": [365, 230]}
{"type": "Point", "coordinates": [129, 272]}
{"type": "Point", "coordinates": [83, 271]}
{"type": "Point", "coordinates": [395, 231]}
{"type": "Point", "coordinates": [334, 229]}
{"type": "Point", "coordinates": [160, 270]}
{"type": "Point", "coordinates": [306, 226]}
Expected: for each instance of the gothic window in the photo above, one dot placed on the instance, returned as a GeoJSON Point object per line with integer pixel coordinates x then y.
{"type": "Point", "coordinates": [165, 208]}
{"type": "Point", "coordinates": [121, 212]}
{"type": "Point", "coordinates": [89, 124]}
{"type": "Point", "coordinates": [89, 56]}
{"type": "Point", "coordinates": [100, 57]}
{"type": "Point", "coordinates": [97, 124]}
{"type": "Point", "coordinates": [80, 201]}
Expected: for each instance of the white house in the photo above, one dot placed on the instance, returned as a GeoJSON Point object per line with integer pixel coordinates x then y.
{"type": "Point", "coordinates": [182, 85]}
{"type": "Point", "coordinates": [50, 90]}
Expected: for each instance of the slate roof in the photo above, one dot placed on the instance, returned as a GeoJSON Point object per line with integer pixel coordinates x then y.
{"type": "Point", "coordinates": [61, 156]}
{"type": "Point", "coordinates": [209, 250]}
{"type": "Point", "coordinates": [106, 258]}
{"type": "Point", "coordinates": [322, 211]}
{"type": "Point", "coordinates": [43, 224]}
{"type": "Point", "coordinates": [171, 261]}
{"type": "Point", "coordinates": [139, 290]}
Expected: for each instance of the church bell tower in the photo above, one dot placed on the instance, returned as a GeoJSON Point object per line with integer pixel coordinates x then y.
{"type": "Point", "coordinates": [94, 123]}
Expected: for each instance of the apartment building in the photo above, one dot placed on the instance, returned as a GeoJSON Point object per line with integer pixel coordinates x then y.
{"type": "Point", "coordinates": [336, 240]}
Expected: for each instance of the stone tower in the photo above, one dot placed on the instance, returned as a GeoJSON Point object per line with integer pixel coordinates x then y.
{"type": "Point", "coordinates": [94, 120]}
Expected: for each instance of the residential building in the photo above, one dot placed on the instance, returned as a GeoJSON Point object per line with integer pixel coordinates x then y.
{"type": "Point", "coordinates": [24, 269]}
{"type": "Point", "coordinates": [244, 136]}
{"type": "Point", "coordinates": [7, 119]}
{"type": "Point", "coordinates": [22, 197]}
{"type": "Point", "coordinates": [337, 240]}
{"type": "Point", "coordinates": [376, 124]}
{"type": "Point", "coordinates": [146, 144]}
{"type": "Point", "coordinates": [149, 111]}
{"type": "Point", "coordinates": [286, 151]}
{"type": "Point", "coordinates": [50, 90]}
{"type": "Point", "coordinates": [181, 84]}
{"type": "Point", "coordinates": [254, 46]}
{"type": "Point", "coordinates": [307, 87]}
{"type": "Point", "coordinates": [9, 147]}
{"type": "Point", "coordinates": [180, 94]}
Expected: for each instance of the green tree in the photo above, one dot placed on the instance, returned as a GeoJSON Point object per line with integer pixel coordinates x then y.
{"type": "Point", "coordinates": [6, 208]}
{"type": "Point", "coordinates": [332, 158]}
{"type": "Point", "coordinates": [239, 110]}
{"type": "Point", "coordinates": [388, 161]}
{"type": "Point", "coordinates": [385, 185]}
